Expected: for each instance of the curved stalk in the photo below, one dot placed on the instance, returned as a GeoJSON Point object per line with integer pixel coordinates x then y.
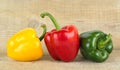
{"type": "Point", "coordinates": [52, 18]}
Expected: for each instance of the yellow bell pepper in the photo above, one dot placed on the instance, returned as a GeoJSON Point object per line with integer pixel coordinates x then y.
{"type": "Point", "coordinates": [25, 45]}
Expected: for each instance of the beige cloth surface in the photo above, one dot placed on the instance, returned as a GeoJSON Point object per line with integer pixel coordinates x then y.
{"type": "Point", "coordinates": [84, 14]}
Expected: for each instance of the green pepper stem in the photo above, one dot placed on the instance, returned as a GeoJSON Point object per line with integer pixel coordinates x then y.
{"type": "Point", "coordinates": [52, 18]}
{"type": "Point", "coordinates": [106, 41]}
{"type": "Point", "coordinates": [44, 31]}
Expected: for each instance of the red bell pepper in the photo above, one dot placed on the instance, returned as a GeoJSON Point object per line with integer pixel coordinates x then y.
{"type": "Point", "coordinates": [62, 43]}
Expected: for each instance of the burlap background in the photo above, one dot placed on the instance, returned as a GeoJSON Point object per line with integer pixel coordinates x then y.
{"type": "Point", "coordinates": [84, 14]}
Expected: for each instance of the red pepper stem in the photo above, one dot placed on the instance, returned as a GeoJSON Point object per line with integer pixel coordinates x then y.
{"type": "Point", "coordinates": [44, 31]}
{"type": "Point", "coordinates": [106, 41]}
{"type": "Point", "coordinates": [52, 18]}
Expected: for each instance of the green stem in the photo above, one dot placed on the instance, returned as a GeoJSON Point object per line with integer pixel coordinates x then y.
{"type": "Point", "coordinates": [102, 43]}
{"type": "Point", "coordinates": [52, 18]}
{"type": "Point", "coordinates": [44, 31]}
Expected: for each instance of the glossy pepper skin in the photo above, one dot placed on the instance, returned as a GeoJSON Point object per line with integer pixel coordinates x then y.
{"type": "Point", "coordinates": [96, 45]}
{"type": "Point", "coordinates": [62, 43]}
{"type": "Point", "coordinates": [25, 45]}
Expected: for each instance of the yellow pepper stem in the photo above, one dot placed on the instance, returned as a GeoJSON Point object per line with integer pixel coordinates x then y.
{"type": "Point", "coordinates": [44, 31]}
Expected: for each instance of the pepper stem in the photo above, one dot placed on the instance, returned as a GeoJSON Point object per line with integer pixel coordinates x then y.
{"type": "Point", "coordinates": [102, 43]}
{"type": "Point", "coordinates": [52, 18]}
{"type": "Point", "coordinates": [44, 31]}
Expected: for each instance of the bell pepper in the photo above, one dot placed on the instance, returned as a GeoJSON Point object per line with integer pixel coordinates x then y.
{"type": "Point", "coordinates": [25, 45]}
{"type": "Point", "coordinates": [62, 43]}
{"type": "Point", "coordinates": [96, 45]}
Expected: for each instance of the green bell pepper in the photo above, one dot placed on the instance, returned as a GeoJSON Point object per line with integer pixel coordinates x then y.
{"type": "Point", "coordinates": [96, 45]}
